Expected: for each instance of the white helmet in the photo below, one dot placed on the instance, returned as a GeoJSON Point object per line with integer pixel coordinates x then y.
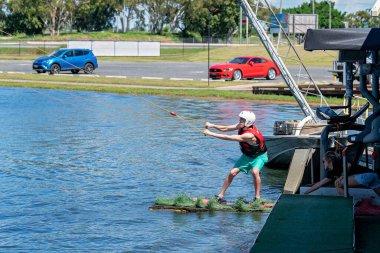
{"type": "Point", "coordinates": [249, 117]}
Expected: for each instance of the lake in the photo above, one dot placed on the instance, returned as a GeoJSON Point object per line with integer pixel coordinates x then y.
{"type": "Point", "coordinates": [79, 171]}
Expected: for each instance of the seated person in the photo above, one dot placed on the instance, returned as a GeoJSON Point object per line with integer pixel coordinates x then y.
{"type": "Point", "coordinates": [369, 180]}
{"type": "Point", "coordinates": [333, 170]}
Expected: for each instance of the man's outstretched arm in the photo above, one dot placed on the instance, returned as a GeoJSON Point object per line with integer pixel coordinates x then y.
{"type": "Point", "coordinates": [221, 128]}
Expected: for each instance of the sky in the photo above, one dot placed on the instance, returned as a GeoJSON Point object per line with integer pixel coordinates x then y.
{"type": "Point", "coordinates": [349, 6]}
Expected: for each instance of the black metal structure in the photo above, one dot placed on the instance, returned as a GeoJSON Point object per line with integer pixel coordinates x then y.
{"type": "Point", "coordinates": [360, 46]}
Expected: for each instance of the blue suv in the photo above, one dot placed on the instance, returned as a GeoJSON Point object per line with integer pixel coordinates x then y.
{"type": "Point", "coordinates": [67, 59]}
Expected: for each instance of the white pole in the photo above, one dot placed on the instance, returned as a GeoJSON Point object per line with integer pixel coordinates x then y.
{"type": "Point", "coordinates": [240, 25]}
{"type": "Point", "coordinates": [345, 175]}
{"type": "Point", "coordinates": [279, 29]}
{"type": "Point", "coordinates": [329, 14]}
{"type": "Point", "coordinates": [246, 29]}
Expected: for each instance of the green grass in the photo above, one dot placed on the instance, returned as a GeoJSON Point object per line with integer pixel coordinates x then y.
{"type": "Point", "coordinates": [87, 79]}
{"type": "Point", "coordinates": [23, 51]}
{"type": "Point", "coordinates": [217, 55]}
{"type": "Point", "coordinates": [164, 87]}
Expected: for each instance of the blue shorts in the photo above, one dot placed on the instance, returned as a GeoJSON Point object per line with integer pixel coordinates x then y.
{"type": "Point", "coordinates": [370, 180]}
{"type": "Point", "coordinates": [246, 163]}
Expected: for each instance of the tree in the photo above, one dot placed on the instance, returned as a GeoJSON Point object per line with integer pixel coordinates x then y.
{"type": "Point", "coordinates": [140, 18]}
{"type": "Point", "coordinates": [130, 12]}
{"type": "Point", "coordinates": [126, 11]}
{"type": "Point", "coordinates": [195, 18]}
{"type": "Point", "coordinates": [95, 15]}
{"type": "Point", "coordinates": [156, 12]}
{"type": "Point", "coordinates": [2, 15]}
{"type": "Point", "coordinates": [25, 16]}
{"type": "Point", "coordinates": [359, 19]}
{"type": "Point", "coordinates": [225, 18]}
{"type": "Point", "coordinates": [262, 12]}
{"type": "Point", "coordinates": [220, 16]}
{"type": "Point", "coordinates": [59, 13]}
{"type": "Point", "coordinates": [362, 19]}
{"type": "Point", "coordinates": [34, 16]}
{"type": "Point", "coordinates": [174, 14]}
{"type": "Point", "coordinates": [373, 21]}
{"type": "Point", "coordinates": [163, 12]}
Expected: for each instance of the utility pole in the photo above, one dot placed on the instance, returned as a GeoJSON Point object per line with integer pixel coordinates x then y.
{"type": "Point", "coordinates": [246, 29]}
{"type": "Point", "coordinates": [279, 28]}
{"type": "Point", "coordinates": [313, 6]}
{"type": "Point", "coordinates": [240, 25]}
{"type": "Point", "coordinates": [208, 50]}
{"type": "Point", "coordinates": [329, 14]}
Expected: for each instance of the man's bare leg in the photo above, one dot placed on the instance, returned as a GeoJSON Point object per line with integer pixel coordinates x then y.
{"type": "Point", "coordinates": [256, 182]}
{"type": "Point", "coordinates": [230, 177]}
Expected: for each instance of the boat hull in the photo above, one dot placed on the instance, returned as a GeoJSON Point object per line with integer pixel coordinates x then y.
{"type": "Point", "coordinates": [281, 148]}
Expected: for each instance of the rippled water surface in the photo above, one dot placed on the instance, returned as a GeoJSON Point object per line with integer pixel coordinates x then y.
{"type": "Point", "coordinates": [79, 171]}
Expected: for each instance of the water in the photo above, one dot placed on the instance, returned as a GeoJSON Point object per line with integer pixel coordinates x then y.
{"type": "Point", "coordinates": [80, 169]}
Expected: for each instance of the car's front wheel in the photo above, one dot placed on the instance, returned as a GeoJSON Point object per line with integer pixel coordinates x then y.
{"type": "Point", "coordinates": [75, 71]}
{"type": "Point", "coordinates": [55, 69]}
{"type": "Point", "coordinates": [236, 75]}
{"type": "Point", "coordinates": [271, 74]}
{"type": "Point", "coordinates": [88, 68]}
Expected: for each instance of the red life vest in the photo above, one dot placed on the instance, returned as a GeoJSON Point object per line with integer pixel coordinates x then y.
{"type": "Point", "coordinates": [253, 150]}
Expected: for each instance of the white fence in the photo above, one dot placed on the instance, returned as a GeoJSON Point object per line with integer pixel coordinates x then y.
{"type": "Point", "coordinates": [118, 48]}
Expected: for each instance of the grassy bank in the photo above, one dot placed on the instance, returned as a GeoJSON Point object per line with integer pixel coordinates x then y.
{"type": "Point", "coordinates": [150, 87]}
{"type": "Point", "coordinates": [224, 54]}
{"type": "Point", "coordinates": [104, 35]}
{"type": "Point", "coordinates": [181, 53]}
{"type": "Point", "coordinates": [95, 80]}
{"type": "Point", "coordinates": [217, 55]}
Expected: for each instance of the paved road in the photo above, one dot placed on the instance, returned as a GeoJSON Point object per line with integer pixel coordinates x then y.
{"type": "Point", "coordinates": [165, 70]}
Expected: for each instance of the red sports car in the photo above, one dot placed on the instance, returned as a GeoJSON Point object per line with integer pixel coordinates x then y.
{"type": "Point", "coordinates": [245, 67]}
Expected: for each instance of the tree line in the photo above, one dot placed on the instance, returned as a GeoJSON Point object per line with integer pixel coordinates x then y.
{"type": "Point", "coordinates": [37, 16]}
{"type": "Point", "coordinates": [189, 18]}
{"type": "Point", "coordinates": [339, 19]}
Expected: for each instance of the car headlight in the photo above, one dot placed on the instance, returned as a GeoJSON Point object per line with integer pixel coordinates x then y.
{"type": "Point", "coordinates": [45, 62]}
{"type": "Point", "coordinates": [228, 69]}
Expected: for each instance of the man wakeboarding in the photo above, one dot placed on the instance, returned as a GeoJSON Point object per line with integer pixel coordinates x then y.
{"type": "Point", "coordinates": [253, 148]}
